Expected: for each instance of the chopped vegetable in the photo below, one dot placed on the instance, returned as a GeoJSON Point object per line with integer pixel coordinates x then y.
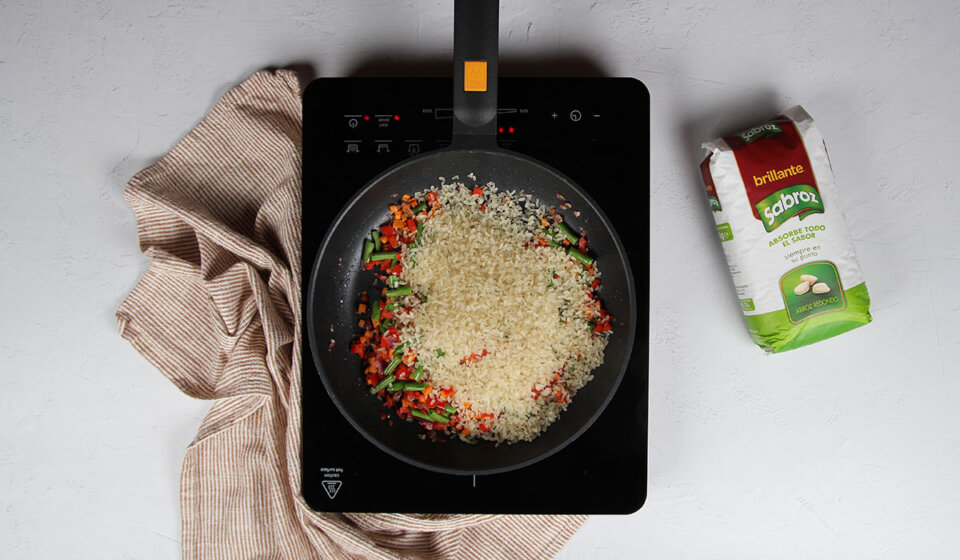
{"type": "Point", "coordinates": [567, 233]}
{"type": "Point", "coordinates": [367, 251]}
{"type": "Point", "coordinates": [585, 260]}
{"type": "Point", "coordinates": [380, 255]}
{"type": "Point", "coordinates": [383, 384]}
{"type": "Point", "coordinates": [420, 415]}
{"type": "Point", "coordinates": [399, 291]}
{"type": "Point", "coordinates": [392, 365]}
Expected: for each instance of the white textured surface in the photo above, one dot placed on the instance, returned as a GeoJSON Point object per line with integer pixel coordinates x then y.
{"type": "Point", "coordinates": [850, 448]}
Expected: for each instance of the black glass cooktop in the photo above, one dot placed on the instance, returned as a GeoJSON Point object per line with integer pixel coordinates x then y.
{"type": "Point", "coordinates": [594, 130]}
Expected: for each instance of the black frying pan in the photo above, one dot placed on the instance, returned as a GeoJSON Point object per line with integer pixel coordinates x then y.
{"type": "Point", "coordinates": [337, 277]}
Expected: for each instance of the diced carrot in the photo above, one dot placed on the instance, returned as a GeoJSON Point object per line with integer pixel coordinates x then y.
{"type": "Point", "coordinates": [394, 207]}
{"type": "Point", "coordinates": [483, 207]}
{"type": "Point", "coordinates": [544, 222]}
{"type": "Point", "coordinates": [477, 191]}
{"type": "Point", "coordinates": [362, 308]}
{"type": "Point", "coordinates": [405, 198]}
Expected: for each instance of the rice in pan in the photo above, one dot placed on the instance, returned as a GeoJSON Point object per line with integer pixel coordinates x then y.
{"type": "Point", "coordinates": [501, 319]}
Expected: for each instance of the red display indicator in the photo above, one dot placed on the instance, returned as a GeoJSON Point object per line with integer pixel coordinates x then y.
{"type": "Point", "coordinates": [510, 130]}
{"type": "Point", "coordinates": [396, 117]}
{"type": "Point", "coordinates": [500, 130]}
{"type": "Point", "coordinates": [366, 117]}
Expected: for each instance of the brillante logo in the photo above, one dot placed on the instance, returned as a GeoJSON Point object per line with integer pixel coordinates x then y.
{"type": "Point", "coordinates": [766, 129]}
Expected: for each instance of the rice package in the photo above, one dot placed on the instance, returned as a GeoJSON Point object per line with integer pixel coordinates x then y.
{"type": "Point", "coordinates": [774, 199]}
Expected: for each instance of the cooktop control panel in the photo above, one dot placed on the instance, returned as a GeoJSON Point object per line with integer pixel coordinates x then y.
{"type": "Point", "coordinates": [390, 122]}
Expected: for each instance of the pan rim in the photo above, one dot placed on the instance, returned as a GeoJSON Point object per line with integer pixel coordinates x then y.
{"type": "Point", "coordinates": [631, 302]}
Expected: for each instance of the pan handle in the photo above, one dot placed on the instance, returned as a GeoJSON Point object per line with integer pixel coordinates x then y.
{"type": "Point", "coordinates": [476, 28]}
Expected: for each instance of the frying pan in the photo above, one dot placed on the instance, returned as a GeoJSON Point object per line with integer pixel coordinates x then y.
{"type": "Point", "coordinates": [337, 277]}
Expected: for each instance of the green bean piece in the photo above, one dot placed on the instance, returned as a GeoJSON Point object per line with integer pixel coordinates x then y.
{"type": "Point", "coordinates": [367, 250]}
{"type": "Point", "coordinates": [567, 233]}
{"type": "Point", "coordinates": [584, 260]}
{"type": "Point", "coordinates": [399, 291]}
{"type": "Point", "coordinates": [414, 386]}
{"type": "Point", "coordinates": [415, 209]}
{"type": "Point", "coordinates": [392, 366]}
{"type": "Point", "coordinates": [423, 298]}
{"type": "Point", "coordinates": [395, 386]}
{"type": "Point", "coordinates": [375, 234]}
{"type": "Point", "coordinates": [554, 244]}
{"type": "Point", "coordinates": [383, 384]}
{"type": "Point", "coordinates": [375, 312]}
{"type": "Point", "coordinates": [393, 281]}
{"type": "Point", "coordinates": [419, 233]}
{"type": "Point", "coordinates": [419, 414]}
{"type": "Point", "coordinates": [450, 408]}
{"type": "Point", "coordinates": [381, 255]}
{"type": "Point", "coordinates": [399, 350]}
{"type": "Point", "coordinates": [391, 306]}
{"type": "Point", "coordinates": [418, 373]}
{"type": "Point", "coordinates": [438, 418]}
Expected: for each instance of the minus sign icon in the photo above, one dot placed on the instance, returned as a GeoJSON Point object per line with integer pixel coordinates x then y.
{"type": "Point", "coordinates": [596, 115]}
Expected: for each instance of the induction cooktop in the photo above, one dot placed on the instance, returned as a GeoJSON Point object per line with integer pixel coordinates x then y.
{"type": "Point", "coordinates": [594, 130]}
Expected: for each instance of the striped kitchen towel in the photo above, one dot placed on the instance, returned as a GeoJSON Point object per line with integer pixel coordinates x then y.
{"type": "Point", "coordinates": [218, 313]}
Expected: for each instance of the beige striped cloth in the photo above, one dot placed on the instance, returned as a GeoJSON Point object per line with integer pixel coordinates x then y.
{"type": "Point", "coordinates": [218, 313]}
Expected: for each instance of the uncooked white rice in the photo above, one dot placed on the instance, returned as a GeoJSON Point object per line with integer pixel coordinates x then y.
{"type": "Point", "coordinates": [490, 287]}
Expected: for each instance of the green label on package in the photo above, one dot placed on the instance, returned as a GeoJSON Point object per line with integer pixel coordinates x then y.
{"type": "Point", "coordinates": [787, 203]}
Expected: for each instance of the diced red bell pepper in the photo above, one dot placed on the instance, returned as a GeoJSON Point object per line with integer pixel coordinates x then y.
{"type": "Point", "coordinates": [602, 327]}
{"type": "Point", "coordinates": [477, 191]}
{"type": "Point", "coordinates": [582, 244]}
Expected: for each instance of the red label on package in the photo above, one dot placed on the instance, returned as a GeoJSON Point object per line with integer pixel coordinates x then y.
{"type": "Point", "coordinates": [776, 172]}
